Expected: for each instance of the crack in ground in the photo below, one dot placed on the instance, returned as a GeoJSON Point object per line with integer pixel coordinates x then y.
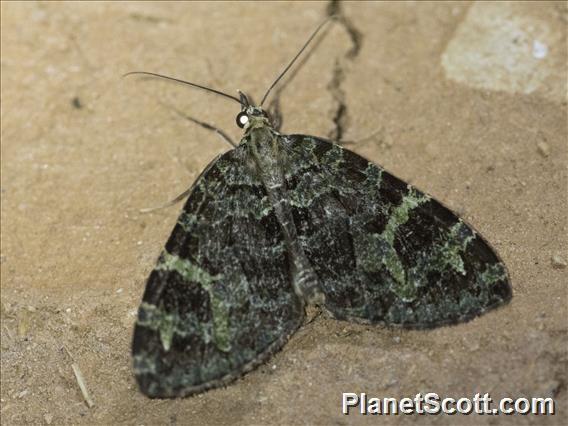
{"type": "Point", "coordinates": [340, 116]}
{"type": "Point", "coordinates": [334, 9]}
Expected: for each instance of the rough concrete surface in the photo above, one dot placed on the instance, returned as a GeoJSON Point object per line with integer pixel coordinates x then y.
{"type": "Point", "coordinates": [466, 101]}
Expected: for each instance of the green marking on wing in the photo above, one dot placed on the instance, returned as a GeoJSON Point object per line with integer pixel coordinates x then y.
{"type": "Point", "coordinates": [168, 324]}
{"type": "Point", "coordinates": [157, 319]}
{"type": "Point", "coordinates": [144, 364]}
{"type": "Point", "coordinates": [404, 288]}
{"type": "Point", "coordinates": [308, 192]}
{"type": "Point", "coordinates": [333, 157]}
{"type": "Point", "coordinates": [243, 204]}
{"type": "Point", "coordinates": [188, 270]}
{"type": "Point", "coordinates": [443, 256]}
{"type": "Point", "coordinates": [401, 213]}
{"type": "Point", "coordinates": [494, 273]}
{"type": "Point", "coordinates": [377, 250]}
{"type": "Point", "coordinates": [311, 188]}
{"type": "Point", "coordinates": [265, 208]}
{"type": "Point", "coordinates": [299, 157]}
{"type": "Point", "coordinates": [374, 176]}
{"type": "Point", "coordinates": [449, 254]}
{"type": "Point", "coordinates": [187, 221]}
{"type": "Point", "coordinates": [195, 274]}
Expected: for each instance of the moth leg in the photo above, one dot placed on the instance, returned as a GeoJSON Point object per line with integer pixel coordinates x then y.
{"type": "Point", "coordinates": [170, 203]}
{"type": "Point", "coordinates": [275, 113]}
{"type": "Point", "coordinates": [344, 142]}
{"type": "Point", "coordinates": [313, 313]}
{"type": "Point", "coordinates": [208, 126]}
{"type": "Point", "coordinates": [205, 125]}
{"type": "Point", "coordinates": [176, 200]}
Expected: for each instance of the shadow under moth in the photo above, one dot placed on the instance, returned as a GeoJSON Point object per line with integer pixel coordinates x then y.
{"type": "Point", "coordinates": [281, 222]}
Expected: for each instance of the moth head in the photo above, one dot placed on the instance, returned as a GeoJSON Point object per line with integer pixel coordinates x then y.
{"type": "Point", "coordinates": [252, 116]}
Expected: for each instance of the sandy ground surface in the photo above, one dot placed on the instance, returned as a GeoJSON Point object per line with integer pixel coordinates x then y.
{"type": "Point", "coordinates": [466, 101]}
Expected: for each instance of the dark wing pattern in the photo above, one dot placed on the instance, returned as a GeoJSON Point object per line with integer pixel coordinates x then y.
{"type": "Point", "coordinates": [219, 300]}
{"type": "Point", "coordinates": [385, 252]}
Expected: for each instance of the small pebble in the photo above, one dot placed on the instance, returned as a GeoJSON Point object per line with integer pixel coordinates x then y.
{"type": "Point", "coordinates": [539, 50]}
{"type": "Point", "coordinates": [558, 262]}
{"type": "Point", "coordinates": [543, 148]}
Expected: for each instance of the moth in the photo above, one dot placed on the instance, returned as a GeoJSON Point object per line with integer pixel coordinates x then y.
{"type": "Point", "coordinates": [281, 222]}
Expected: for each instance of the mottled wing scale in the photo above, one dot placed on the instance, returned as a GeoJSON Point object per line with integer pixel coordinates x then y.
{"type": "Point", "coordinates": [384, 252]}
{"type": "Point", "coordinates": [219, 300]}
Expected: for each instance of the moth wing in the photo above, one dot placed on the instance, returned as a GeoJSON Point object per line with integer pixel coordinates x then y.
{"type": "Point", "coordinates": [384, 251]}
{"type": "Point", "coordinates": [219, 300]}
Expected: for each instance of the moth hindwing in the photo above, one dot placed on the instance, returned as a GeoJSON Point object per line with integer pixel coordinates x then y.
{"type": "Point", "coordinates": [284, 221]}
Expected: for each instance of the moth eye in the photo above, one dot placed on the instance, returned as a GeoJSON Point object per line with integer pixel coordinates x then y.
{"type": "Point", "coordinates": [242, 119]}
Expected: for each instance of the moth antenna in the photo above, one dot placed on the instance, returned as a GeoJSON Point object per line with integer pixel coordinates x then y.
{"type": "Point", "coordinates": [244, 100]}
{"type": "Point", "coordinates": [295, 57]}
{"type": "Point", "coordinates": [177, 80]}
